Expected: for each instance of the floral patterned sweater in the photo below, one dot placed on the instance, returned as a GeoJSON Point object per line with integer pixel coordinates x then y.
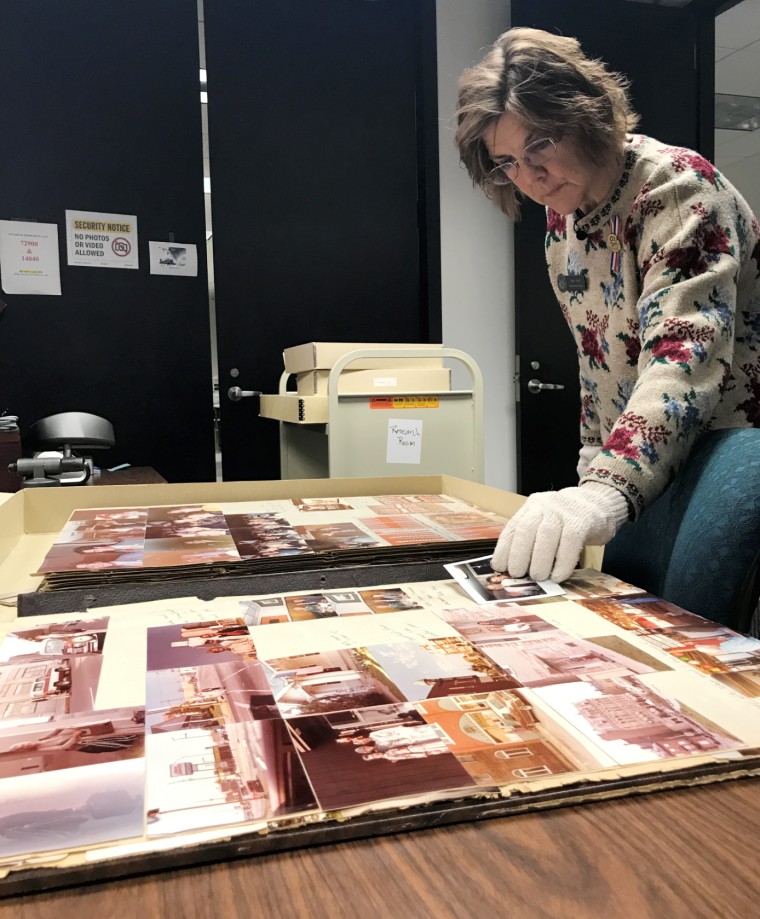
{"type": "Point", "coordinates": [663, 299]}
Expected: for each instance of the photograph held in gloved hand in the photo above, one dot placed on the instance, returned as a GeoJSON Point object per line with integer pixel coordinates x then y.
{"type": "Point", "coordinates": [479, 581]}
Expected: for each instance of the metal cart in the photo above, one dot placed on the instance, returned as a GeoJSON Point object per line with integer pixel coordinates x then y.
{"type": "Point", "coordinates": [358, 438]}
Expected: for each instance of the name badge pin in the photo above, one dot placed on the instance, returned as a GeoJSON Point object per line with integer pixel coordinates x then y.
{"type": "Point", "coordinates": [572, 283]}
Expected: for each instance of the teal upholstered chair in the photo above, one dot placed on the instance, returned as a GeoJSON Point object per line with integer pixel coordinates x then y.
{"type": "Point", "coordinates": [698, 545]}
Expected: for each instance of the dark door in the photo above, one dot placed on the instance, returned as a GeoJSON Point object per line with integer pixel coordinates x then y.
{"type": "Point", "coordinates": [630, 37]}
{"type": "Point", "coordinates": [322, 128]}
{"type": "Point", "coordinates": [99, 111]}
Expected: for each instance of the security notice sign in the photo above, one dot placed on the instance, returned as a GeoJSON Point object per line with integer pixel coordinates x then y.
{"type": "Point", "coordinates": [101, 240]}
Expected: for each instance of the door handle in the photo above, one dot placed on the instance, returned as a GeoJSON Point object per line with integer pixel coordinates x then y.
{"type": "Point", "coordinates": [535, 386]}
{"type": "Point", "coordinates": [235, 393]}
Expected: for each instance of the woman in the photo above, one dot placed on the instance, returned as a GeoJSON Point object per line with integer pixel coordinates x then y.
{"type": "Point", "coordinates": [654, 258]}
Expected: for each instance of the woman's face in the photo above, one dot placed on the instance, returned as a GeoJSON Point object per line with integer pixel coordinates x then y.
{"type": "Point", "coordinates": [564, 183]}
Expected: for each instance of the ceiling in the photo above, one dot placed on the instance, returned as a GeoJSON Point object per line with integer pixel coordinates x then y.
{"type": "Point", "coordinates": [737, 72]}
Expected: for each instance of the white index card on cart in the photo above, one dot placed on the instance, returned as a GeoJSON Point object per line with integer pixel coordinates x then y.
{"type": "Point", "coordinates": [404, 441]}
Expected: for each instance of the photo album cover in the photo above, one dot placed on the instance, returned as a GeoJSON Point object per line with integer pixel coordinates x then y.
{"type": "Point", "coordinates": [180, 722]}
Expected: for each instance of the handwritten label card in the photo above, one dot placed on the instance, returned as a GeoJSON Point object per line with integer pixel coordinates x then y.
{"type": "Point", "coordinates": [404, 441]}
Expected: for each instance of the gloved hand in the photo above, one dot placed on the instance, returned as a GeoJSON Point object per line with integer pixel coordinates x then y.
{"type": "Point", "coordinates": [547, 535]}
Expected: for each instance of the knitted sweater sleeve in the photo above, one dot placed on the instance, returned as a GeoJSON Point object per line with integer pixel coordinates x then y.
{"type": "Point", "coordinates": [590, 428]}
{"type": "Point", "coordinates": [684, 229]}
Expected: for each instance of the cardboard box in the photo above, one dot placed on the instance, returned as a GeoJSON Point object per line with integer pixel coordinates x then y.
{"type": "Point", "coordinates": [295, 408]}
{"type": "Point", "coordinates": [31, 519]}
{"type": "Point", "coordinates": [321, 355]}
{"type": "Point", "coordinates": [381, 380]}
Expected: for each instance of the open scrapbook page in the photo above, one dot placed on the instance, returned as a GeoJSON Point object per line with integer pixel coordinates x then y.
{"type": "Point", "coordinates": [180, 722]}
{"type": "Point", "coordinates": [98, 544]}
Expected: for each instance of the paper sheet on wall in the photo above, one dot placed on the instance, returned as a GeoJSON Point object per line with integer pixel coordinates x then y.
{"type": "Point", "coordinates": [404, 441]}
{"type": "Point", "coordinates": [101, 240]}
{"type": "Point", "coordinates": [29, 262]}
{"type": "Point", "coordinates": [173, 258]}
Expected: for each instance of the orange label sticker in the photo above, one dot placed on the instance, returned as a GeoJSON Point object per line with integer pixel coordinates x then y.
{"type": "Point", "coordinates": [404, 402]}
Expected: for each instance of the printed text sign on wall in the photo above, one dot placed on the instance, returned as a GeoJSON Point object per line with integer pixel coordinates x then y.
{"type": "Point", "coordinates": [101, 240]}
{"type": "Point", "coordinates": [404, 441]}
{"type": "Point", "coordinates": [29, 258]}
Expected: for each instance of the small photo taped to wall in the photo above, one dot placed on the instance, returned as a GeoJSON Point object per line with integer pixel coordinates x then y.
{"type": "Point", "coordinates": [484, 585]}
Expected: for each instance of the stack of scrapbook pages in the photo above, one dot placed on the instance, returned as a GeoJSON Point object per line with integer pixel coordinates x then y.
{"type": "Point", "coordinates": [109, 545]}
{"type": "Point", "coordinates": [178, 723]}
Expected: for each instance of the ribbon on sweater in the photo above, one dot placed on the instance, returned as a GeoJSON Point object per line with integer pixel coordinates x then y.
{"type": "Point", "coordinates": [614, 244]}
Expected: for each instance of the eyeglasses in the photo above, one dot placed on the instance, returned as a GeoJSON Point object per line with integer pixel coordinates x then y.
{"type": "Point", "coordinates": [535, 154]}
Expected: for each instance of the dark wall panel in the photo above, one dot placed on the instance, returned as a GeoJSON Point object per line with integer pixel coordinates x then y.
{"type": "Point", "coordinates": [100, 111]}
{"type": "Point", "coordinates": [324, 192]}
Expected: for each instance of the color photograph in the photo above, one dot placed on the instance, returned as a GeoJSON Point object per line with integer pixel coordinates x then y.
{"type": "Point", "coordinates": [555, 657]}
{"type": "Point", "coordinates": [100, 533]}
{"type": "Point", "coordinates": [501, 738]}
{"type": "Point", "coordinates": [414, 504]}
{"type": "Point", "coordinates": [325, 605]}
{"type": "Point", "coordinates": [412, 761]}
{"type": "Point", "coordinates": [72, 808]}
{"type": "Point", "coordinates": [312, 505]}
{"type": "Point", "coordinates": [205, 549]}
{"type": "Point", "coordinates": [223, 773]}
{"type": "Point", "coordinates": [710, 650]}
{"type": "Point", "coordinates": [630, 722]}
{"type": "Point", "coordinates": [71, 636]}
{"type": "Point", "coordinates": [155, 537]}
{"type": "Point", "coordinates": [52, 669]}
{"type": "Point", "coordinates": [72, 740]}
{"type": "Point", "coordinates": [388, 599]}
{"type": "Point", "coordinates": [331, 537]}
{"type": "Point", "coordinates": [468, 525]}
{"type": "Point", "coordinates": [103, 516]}
{"type": "Point", "coordinates": [93, 556]}
{"type": "Point", "coordinates": [184, 521]}
{"type": "Point", "coordinates": [588, 584]}
{"type": "Point", "coordinates": [328, 682]}
{"type": "Point", "coordinates": [264, 610]}
{"type": "Point", "coordinates": [484, 585]}
{"type": "Point", "coordinates": [641, 613]}
{"type": "Point", "coordinates": [265, 535]}
{"type": "Point", "coordinates": [439, 667]}
{"type": "Point", "coordinates": [745, 682]}
{"type": "Point", "coordinates": [402, 530]}
{"type": "Point", "coordinates": [485, 624]}
{"type": "Point", "coordinates": [195, 697]}
{"type": "Point", "coordinates": [193, 644]}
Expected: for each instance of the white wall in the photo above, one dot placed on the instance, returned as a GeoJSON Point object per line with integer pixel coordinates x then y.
{"type": "Point", "coordinates": [737, 55]}
{"type": "Point", "coordinates": [477, 264]}
{"type": "Point", "coordinates": [745, 175]}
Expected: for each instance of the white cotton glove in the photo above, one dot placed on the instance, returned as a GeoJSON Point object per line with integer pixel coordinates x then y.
{"type": "Point", "coordinates": [547, 535]}
{"type": "Point", "coordinates": [585, 455]}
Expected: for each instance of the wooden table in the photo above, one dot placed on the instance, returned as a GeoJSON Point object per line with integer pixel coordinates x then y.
{"type": "Point", "coordinates": [688, 853]}
{"type": "Point", "coordinates": [132, 475]}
